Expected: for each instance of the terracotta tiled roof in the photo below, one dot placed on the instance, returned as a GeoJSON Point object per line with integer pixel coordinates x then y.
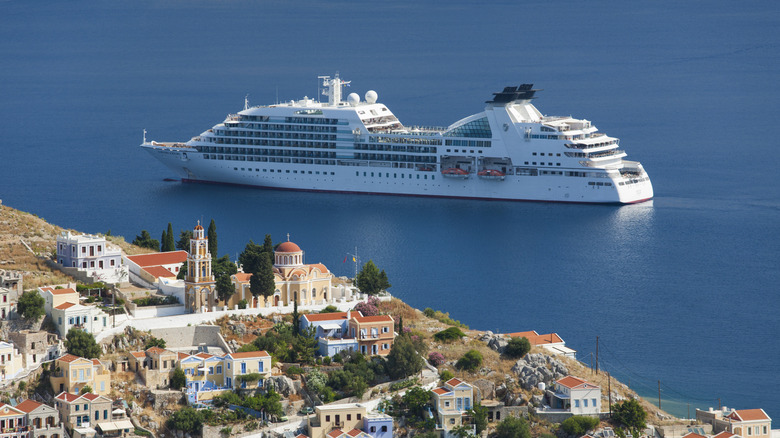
{"type": "Point", "coordinates": [138, 353]}
{"type": "Point", "coordinates": [749, 415]}
{"type": "Point", "coordinates": [693, 435]}
{"type": "Point", "coordinates": [181, 356]}
{"type": "Point", "coordinates": [573, 382]}
{"type": "Point", "coordinates": [64, 306]}
{"type": "Point", "coordinates": [66, 396]}
{"type": "Point", "coordinates": [300, 435]}
{"type": "Point", "coordinates": [204, 355]}
{"type": "Point", "coordinates": [454, 382]}
{"type": "Point", "coordinates": [536, 339]}
{"type": "Point", "coordinates": [354, 432]}
{"type": "Point", "coordinates": [28, 406]}
{"type": "Point", "coordinates": [335, 433]}
{"type": "Point", "coordinates": [90, 396]}
{"type": "Point", "coordinates": [287, 247]}
{"type": "Point", "coordinates": [242, 277]}
{"type": "Point", "coordinates": [247, 354]}
{"type": "Point", "coordinates": [377, 318]}
{"type": "Point", "coordinates": [159, 258]}
{"type": "Point", "coordinates": [311, 317]}
{"type": "Point", "coordinates": [96, 362]}
{"type": "Point", "coordinates": [156, 350]}
{"type": "Point", "coordinates": [441, 391]}
{"type": "Point", "coordinates": [63, 291]}
{"type": "Point", "coordinates": [158, 271]}
{"type": "Point", "coordinates": [68, 358]}
{"type": "Point", "coordinates": [724, 434]}
{"type": "Point", "coordinates": [319, 266]}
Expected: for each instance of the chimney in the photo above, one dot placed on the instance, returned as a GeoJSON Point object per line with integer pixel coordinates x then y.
{"type": "Point", "coordinates": [349, 315]}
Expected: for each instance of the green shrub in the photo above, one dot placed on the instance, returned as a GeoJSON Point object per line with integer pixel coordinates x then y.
{"type": "Point", "coordinates": [579, 425]}
{"type": "Point", "coordinates": [242, 304]}
{"type": "Point", "coordinates": [449, 334]}
{"type": "Point", "coordinates": [446, 375]}
{"type": "Point", "coordinates": [517, 347]}
{"type": "Point", "coordinates": [471, 361]}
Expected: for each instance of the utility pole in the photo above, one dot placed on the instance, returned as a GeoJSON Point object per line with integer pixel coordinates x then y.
{"type": "Point", "coordinates": [597, 354]}
{"type": "Point", "coordinates": [591, 362]}
{"type": "Point", "coordinates": [659, 394]}
{"type": "Point", "coordinates": [609, 391]}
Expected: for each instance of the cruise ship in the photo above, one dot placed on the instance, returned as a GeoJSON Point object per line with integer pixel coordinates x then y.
{"type": "Point", "coordinates": [509, 151]}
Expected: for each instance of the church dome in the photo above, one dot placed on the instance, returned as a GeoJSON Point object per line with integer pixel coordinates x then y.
{"type": "Point", "coordinates": [288, 247]}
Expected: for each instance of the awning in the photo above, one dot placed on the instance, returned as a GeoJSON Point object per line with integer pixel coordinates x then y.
{"type": "Point", "coordinates": [330, 326]}
{"type": "Point", "coordinates": [115, 425]}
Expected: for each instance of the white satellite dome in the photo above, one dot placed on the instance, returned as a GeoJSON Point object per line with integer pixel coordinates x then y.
{"type": "Point", "coordinates": [371, 96]}
{"type": "Point", "coordinates": [353, 99]}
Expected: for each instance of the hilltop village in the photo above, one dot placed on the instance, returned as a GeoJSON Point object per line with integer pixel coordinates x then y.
{"type": "Point", "coordinates": [102, 338]}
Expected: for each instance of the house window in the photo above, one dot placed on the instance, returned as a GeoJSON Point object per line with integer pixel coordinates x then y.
{"type": "Point", "coordinates": [385, 329]}
{"type": "Point", "coordinates": [358, 416]}
{"type": "Point", "coordinates": [349, 417]}
{"type": "Point", "coordinates": [327, 418]}
{"type": "Point", "coordinates": [585, 403]}
{"type": "Point", "coordinates": [576, 403]}
{"type": "Point", "coordinates": [452, 421]}
{"type": "Point", "coordinates": [243, 367]}
{"type": "Point", "coordinates": [260, 366]}
{"type": "Point", "coordinates": [373, 429]}
{"type": "Point", "coordinates": [97, 415]}
{"type": "Point", "coordinates": [219, 369]}
{"type": "Point", "coordinates": [105, 414]}
{"type": "Point", "coordinates": [749, 431]}
{"type": "Point", "coordinates": [77, 408]}
{"type": "Point", "coordinates": [594, 403]}
{"type": "Point", "coordinates": [383, 429]}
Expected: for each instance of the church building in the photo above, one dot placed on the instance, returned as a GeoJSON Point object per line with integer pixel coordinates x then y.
{"type": "Point", "coordinates": [294, 281]}
{"type": "Point", "coordinates": [199, 285]}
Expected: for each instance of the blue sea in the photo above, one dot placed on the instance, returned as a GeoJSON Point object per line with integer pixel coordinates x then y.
{"type": "Point", "coordinates": [681, 290]}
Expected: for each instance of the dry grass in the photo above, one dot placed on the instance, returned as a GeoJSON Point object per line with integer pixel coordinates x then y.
{"type": "Point", "coordinates": [41, 236]}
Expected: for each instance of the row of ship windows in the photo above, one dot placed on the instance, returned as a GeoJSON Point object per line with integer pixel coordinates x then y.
{"type": "Point", "coordinates": [239, 128]}
{"type": "Point", "coordinates": [395, 175]}
{"type": "Point", "coordinates": [276, 134]}
{"type": "Point", "coordinates": [547, 137]}
{"type": "Point", "coordinates": [591, 183]}
{"type": "Point", "coordinates": [634, 181]}
{"type": "Point", "coordinates": [394, 148]}
{"type": "Point", "coordinates": [405, 140]}
{"type": "Point", "coordinates": [550, 154]}
{"type": "Point", "coordinates": [541, 163]}
{"type": "Point", "coordinates": [275, 153]}
{"type": "Point", "coordinates": [302, 172]}
{"type": "Point", "coordinates": [390, 157]}
{"type": "Point", "coordinates": [468, 143]}
{"type": "Point", "coordinates": [280, 143]}
{"type": "Point", "coordinates": [264, 159]}
{"type": "Point", "coordinates": [463, 151]}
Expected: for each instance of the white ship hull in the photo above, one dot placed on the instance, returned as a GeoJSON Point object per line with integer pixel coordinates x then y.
{"type": "Point", "coordinates": [191, 167]}
{"type": "Point", "coordinates": [510, 151]}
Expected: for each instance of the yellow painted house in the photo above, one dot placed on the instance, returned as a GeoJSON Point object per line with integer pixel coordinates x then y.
{"type": "Point", "coordinates": [209, 375]}
{"type": "Point", "coordinates": [452, 401]}
{"type": "Point", "coordinates": [72, 373]}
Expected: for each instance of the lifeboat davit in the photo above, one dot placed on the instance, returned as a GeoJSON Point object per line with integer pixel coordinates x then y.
{"type": "Point", "coordinates": [491, 174]}
{"type": "Point", "coordinates": [454, 172]}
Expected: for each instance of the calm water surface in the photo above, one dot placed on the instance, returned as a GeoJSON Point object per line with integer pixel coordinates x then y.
{"type": "Point", "coordinates": [682, 289]}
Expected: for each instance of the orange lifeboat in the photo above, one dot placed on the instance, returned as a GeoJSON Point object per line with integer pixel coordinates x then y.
{"type": "Point", "coordinates": [454, 172]}
{"type": "Point", "coordinates": [491, 174]}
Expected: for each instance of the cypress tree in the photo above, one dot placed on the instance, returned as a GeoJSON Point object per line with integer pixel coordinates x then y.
{"type": "Point", "coordinates": [163, 240]}
{"type": "Point", "coordinates": [170, 242]}
{"type": "Point", "coordinates": [212, 235]}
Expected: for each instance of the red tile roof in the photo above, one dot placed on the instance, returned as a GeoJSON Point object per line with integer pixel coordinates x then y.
{"type": "Point", "coordinates": [204, 355]}
{"type": "Point", "coordinates": [159, 258]}
{"type": "Point", "coordinates": [158, 271]}
{"type": "Point", "coordinates": [64, 306]}
{"type": "Point", "coordinates": [28, 406]}
{"type": "Point", "coordinates": [90, 396]}
{"type": "Point", "coordinates": [181, 356]}
{"type": "Point", "coordinates": [441, 391]}
{"type": "Point", "coordinates": [454, 382]}
{"type": "Point", "coordinates": [377, 318]}
{"type": "Point", "coordinates": [242, 277]}
{"type": "Point", "coordinates": [693, 435]}
{"type": "Point", "coordinates": [335, 433]}
{"type": "Point", "coordinates": [749, 415]}
{"type": "Point", "coordinates": [69, 358]}
{"type": "Point", "coordinates": [66, 396]}
{"type": "Point", "coordinates": [724, 434]}
{"type": "Point", "coordinates": [248, 354]}
{"type": "Point", "coordinates": [354, 432]}
{"type": "Point", "coordinates": [571, 381]}
{"type": "Point", "coordinates": [138, 353]}
{"type": "Point", "coordinates": [63, 291]}
{"type": "Point", "coordinates": [311, 317]}
{"type": "Point", "coordinates": [287, 247]}
{"type": "Point", "coordinates": [536, 339]}
{"type": "Point", "coordinates": [156, 350]}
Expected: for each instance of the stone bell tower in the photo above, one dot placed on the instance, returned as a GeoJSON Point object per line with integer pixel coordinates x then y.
{"type": "Point", "coordinates": [199, 285]}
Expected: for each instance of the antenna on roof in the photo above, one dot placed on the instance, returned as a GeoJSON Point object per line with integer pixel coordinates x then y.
{"type": "Point", "coordinates": [246, 102]}
{"type": "Point", "coordinates": [144, 135]}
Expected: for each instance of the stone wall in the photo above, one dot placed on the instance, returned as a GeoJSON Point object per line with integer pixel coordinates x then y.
{"type": "Point", "coordinates": [183, 337]}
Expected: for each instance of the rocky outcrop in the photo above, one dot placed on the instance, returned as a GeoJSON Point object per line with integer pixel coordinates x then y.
{"type": "Point", "coordinates": [496, 342]}
{"type": "Point", "coordinates": [538, 368]}
{"type": "Point", "coordinates": [283, 385]}
{"type": "Point", "coordinates": [487, 389]}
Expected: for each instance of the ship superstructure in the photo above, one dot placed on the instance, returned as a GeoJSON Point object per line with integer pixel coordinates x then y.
{"type": "Point", "coordinates": [508, 151]}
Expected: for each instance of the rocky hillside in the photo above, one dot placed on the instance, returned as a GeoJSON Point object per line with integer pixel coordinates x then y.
{"type": "Point", "coordinates": [26, 240]}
